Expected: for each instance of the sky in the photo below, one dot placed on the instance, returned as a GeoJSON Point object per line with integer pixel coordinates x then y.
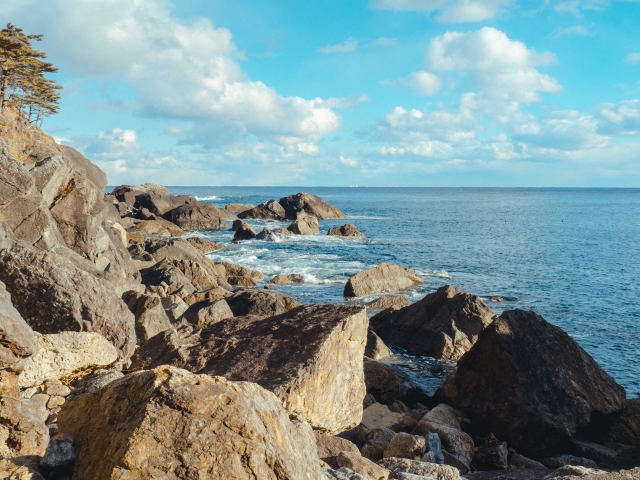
{"type": "Point", "coordinates": [455, 93]}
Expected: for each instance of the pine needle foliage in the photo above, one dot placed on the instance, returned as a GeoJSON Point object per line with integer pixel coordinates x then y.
{"type": "Point", "coordinates": [23, 83]}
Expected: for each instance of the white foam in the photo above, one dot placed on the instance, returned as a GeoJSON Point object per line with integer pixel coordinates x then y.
{"type": "Point", "coordinates": [210, 197]}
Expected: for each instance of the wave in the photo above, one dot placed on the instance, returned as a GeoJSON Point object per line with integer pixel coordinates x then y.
{"type": "Point", "coordinates": [210, 197]}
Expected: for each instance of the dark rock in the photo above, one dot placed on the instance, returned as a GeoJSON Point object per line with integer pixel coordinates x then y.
{"type": "Point", "coordinates": [491, 455]}
{"type": "Point", "coordinates": [236, 225]}
{"type": "Point", "coordinates": [207, 312]}
{"type": "Point", "coordinates": [151, 318]}
{"type": "Point", "coordinates": [310, 358]}
{"type": "Point", "coordinates": [59, 452]}
{"type": "Point", "coordinates": [444, 324]}
{"type": "Point", "coordinates": [161, 203]}
{"type": "Point", "coordinates": [347, 230]}
{"type": "Point", "coordinates": [388, 384]}
{"type": "Point", "coordinates": [626, 427]}
{"type": "Point", "coordinates": [198, 216]}
{"type": "Point", "coordinates": [305, 225]}
{"type": "Point", "coordinates": [270, 210]}
{"type": "Point", "coordinates": [376, 349]}
{"type": "Point", "coordinates": [244, 232]}
{"type": "Point", "coordinates": [266, 235]}
{"type": "Point", "coordinates": [329, 447]}
{"type": "Point", "coordinates": [167, 273]}
{"type": "Point", "coordinates": [53, 295]}
{"type": "Point", "coordinates": [17, 339]}
{"type": "Point", "coordinates": [260, 302]}
{"type": "Point", "coordinates": [310, 204]}
{"type": "Point", "coordinates": [598, 453]}
{"type": "Point", "coordinates": [433, 449]}
{"type": "Point", "coordinates": [376, 441]}
{"type": "Point", "coordinates": [562, 460]}
{"type": "Point", "coordinates": [382, 278]}
{"type": "Point", "coordinates": [551, 386]}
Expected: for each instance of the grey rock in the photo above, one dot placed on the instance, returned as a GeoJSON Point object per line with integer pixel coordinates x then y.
{"type": "Point", "coordinates": [260, 302]}
{"type": "Point", "coordinates": [597, 453]}
{"type": "Point", "coordinates": [376, 349]}
{"type": "Point", "coordinates": [174, 307]}
{"type": "Point", "coordinates": [305, 225]}
{"type": "Point", "coordinates": [376, 441]}
{"type": "Point", "coordinates": [389, 301]}
{"type": "Point", "coordinates": [53, 386]}
{"type": "Point", "coordinates": [382, 278]}
{"type": "Point", "coordinates": [166, 272]}
{"type": "Point", "coordinates": [59, 452]}
{"type": "Point", "coordinates": [94, 383]}
{"type": "Point", "coordinates": [149, 313]}
{"type": "Point", "coordinates": [17, 339]}
{"type": "Point", "coordinates": [270, 210]}
{"type": "Point", "coordinates": [562, 460]}
{"type": "Point", "coordinates": [444, 324]}
{"type": "Point", "coordinates": [405, 465]}
{"type": "Point", "coordinates": [405, 445]}
{"type": "Point", "coordinates": [342, 473]}
{"type": "Point", "coordinates": [199, 216]}
{"type": "Point", "coordinates": [244, 232]}
{"type": "Point", "coordinates": [267, 236]}
{"type": "Point", "coordinates": [310, 204]}
{"type": "Point", "coordinates": [207, 312]}
{"type": "Point", "coordinates": [520, 461]}
{"type": "Point", "coordinates": [433, 449]}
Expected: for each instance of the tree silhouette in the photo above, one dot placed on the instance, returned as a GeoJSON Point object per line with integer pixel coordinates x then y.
{"type": "Point", "coordinates": [22, 76]}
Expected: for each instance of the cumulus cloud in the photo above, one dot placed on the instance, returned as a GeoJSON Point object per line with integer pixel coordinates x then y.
{"type": "Point", "coordinates": [452, 11]}
{"type": "Point", "coordinates": [344, 47]}
{"type": "Point", "coordinates": [621, 118]}
{"type": "Point", "coordinates": [178, 70]}
{"type": "Point", "coordinates": [422, 83]}
{"type": "Point", "coordinates": [349, 162]}
{"type": "Point", "coordinates": [632, 58]}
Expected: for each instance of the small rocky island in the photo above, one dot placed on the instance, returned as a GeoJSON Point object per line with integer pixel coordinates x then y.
{"type": "Point", "coordinates": [127, 353]}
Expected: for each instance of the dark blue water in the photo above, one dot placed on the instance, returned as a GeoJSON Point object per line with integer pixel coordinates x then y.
{"type": "Point", "coordinates": [572, 255]}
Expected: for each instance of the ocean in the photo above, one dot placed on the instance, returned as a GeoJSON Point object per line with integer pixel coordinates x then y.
{"type": "Point", "coordinates": [571, 255]}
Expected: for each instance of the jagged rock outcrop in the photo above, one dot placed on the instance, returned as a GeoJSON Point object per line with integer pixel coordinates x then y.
{"type": "Point", "coordinates": [198, 216]}
{"type": "Point", "coordinates": [444, 324]}
{"type": "Point", "coordinates": [244, 232]}
{"type": "Point", "coordinates": [53, 295]}
{"type": "Point", "coordinates": [178, 425]}
{"type": "Point", "coordinates": [63, 353]}
{"type": "Point", "coordinates": [166, 274]}
{"type": "Point", "coordinates": [149, 313]}
{"type": "Point", "coordinates": [203, 245]}
{"type": "Point", "coordinates": [17, 339]}
{"type": "Point", "coordinates": [22, 206]}
{"type": "Point", "coordinates": [552, 387]}
{"type": "Point", "coordinates": [305, 225]}
{"type": "Point", "coordinates": [346, 230]}
{"type": "Point", "coordinates": [270, 210]}
{"type": "Point", "coordinates": [322, 382]}
{"type": "Point", "coordinates": [382, 278]}
{"type": "Point", "coordinates": [159, 226]}
{"type": "Point", "coordinates": [260, 302]}
{"type": "Point", "coordinates": [310, 204]}
{"type": "Point", "coordinates": [241, 276]}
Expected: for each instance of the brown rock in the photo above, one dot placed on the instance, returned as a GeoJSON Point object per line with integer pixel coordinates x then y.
{"type": "Point", "coordinates": [329, 447]}
{"type": "Point", "coordinates": [389, 301]}
{"type": "Point", "coordinates": [218, 293]}
{"type": "Point", "coordinates": [203, 245]}
{"type": "Point", "coordinates": [13, 469]}
{"type": "Point", "coordinates": [305, 225]}
{"type": "Point", "coordinates": [270, 210]}
{"type": "Point", "coordinates": [199, 216]}
{"type": "Point", "coordinates": [135, 236]}
{"type": "Point", "coordinates": [159, 203]}
{"type": "Point", "coordinates": [244, 232]}
{"type": "Point", "coordinates": [236, 271]}
{"type": "Point", "coordinates": [310, 357]}
{"type": "Point", "coordinates": [362, 465]}
{"type": "Point", "coordinates": [491, 455]}
{"type": "Point", "coordinates": [439, 472]}
{"type": "Point", "coordinates": [347, 230]}
{"type": "Point", "coordinates": [385, 382]}
{"type": "Point", "coordinates": [178, 425]}
{"type": "Point", "coordinates": [551, 385]}
{"type": "Point", "coordinates": [151, 318]}
{"type": "Point", "coordinates": [376, 441]}
{"type": "Point", "coordinates": [376, 349]}
{"type": "Point", "coordinates": [208, 312]}
{"type": "Point", "coordinates": [383, 278]}
{"type": "Point", "coordinates": [281, 279]}
{"type": "Point", "coordinates": [168, 274]}
{"type": "Point", "coordinates": [626, 427]}
{"type": "Point", "coordinates": [260, 302]}
{"type": "Point", "coordinates": [53, 295]}
{"type": "Point", "coordinates": [379, 416]}
{"type": "Point", "coordinates": [238, 207]}
{"type": "Point", "coordinates": [404, 445]}
{"type": "Point", "coordinates": [160, 226]}
{"type": "Point", "coordinates": [18, 341]}
{"type": "Point", "coordinates": [310, 204]}
{"type": "Point", "coordinates": [444, 324]}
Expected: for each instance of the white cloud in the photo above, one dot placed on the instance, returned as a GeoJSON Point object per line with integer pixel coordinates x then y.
{"type": "Point", "coordinates": [621, 118]}
{"type": "Point", "coordinates": [632, 58]}
{"type": "Point", "coordinates": [452, 11]}
{"type": "Point", "coordinates": [500, 68]}
{"type": "Point", "coordinates": [308, 148]}
{"type": "Point", "coordinates": [348, 161]}
{"type": "Point", "coordinates": [576, 7]}
{"type": "Point", "coordinates": [344, 47]}
{"type": "Point", "coordinates": [422, 83]}
{"type": "Point", "coordinates": [178, 70]}
{"type": "Point", "coordinates": [574, 31]}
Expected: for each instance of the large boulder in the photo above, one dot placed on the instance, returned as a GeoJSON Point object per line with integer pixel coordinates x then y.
{"type": "Point", "coordinates": [160, 203]}
{"type": "Point", "coordinates": [329, 447]}
{"type": "Point", "coordinates": [159, 226]}
{"type": "Point", "coordinates": [346, 230]}
{"type": "Point", "coordinates": [444, 324]}
{"type": "Point", "coordinates": [305, 225]}
{"type": "Point", "coordinates": [150, 315]}
{"type": "Point", "coordinates": [382, 278]}
{"type": "Point", "coordinates": [270, 210]}
{"type": "Point", "coordinates": [260, 302]}
{"type": "Point", "coordinates": [207, 312]}
{"type": "Point", "coordinates": [626, 427]}
{"type": "Point", "coordinates": [63, 353]}
{"type": "Point", "coordinates": [174, 424]}
{"type": "Point", "coordinates": [166, 273]}
{"type": "Point", "coordinates": [18, 341]}
{"type": "Point", "coordinates": [22, 207]}
{"type": "Point", "coordinates": [241, 276]}
{"type": "Point", "coordinates": [310, 204]}
{"type": "Point", "coordinates": [198, 216]}
{"type": "Point", "coordinates": [244, 232]}
{"type": "Point", "coordinates": [54, 295]}
{"type": "Point", "coordinates": [310, 357]}
{"type": "Point", "coordinates": [530, 383]}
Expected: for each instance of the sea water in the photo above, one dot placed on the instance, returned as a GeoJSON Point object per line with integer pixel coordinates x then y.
{"type": "Point", "coordinates": [571, 255]}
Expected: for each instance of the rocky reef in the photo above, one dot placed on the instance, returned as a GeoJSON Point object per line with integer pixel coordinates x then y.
{"type": "Point", "coordinates": [126, 352]}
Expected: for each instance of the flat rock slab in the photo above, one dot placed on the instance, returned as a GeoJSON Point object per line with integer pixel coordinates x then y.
{"type": "Point", "coordinates": [169, 423]}
{"type": "Point", "coordinates": [310, 357]}
{"type": "Point", "coordinates": [551, 385]}
{"type": "Point", "coordinates": [444, 324]}
{"type": "Point", "coordinates": [382, 278]}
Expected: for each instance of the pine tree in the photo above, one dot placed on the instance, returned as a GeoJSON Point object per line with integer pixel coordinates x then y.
{"type": "Point", "coordinates": [22, 75]}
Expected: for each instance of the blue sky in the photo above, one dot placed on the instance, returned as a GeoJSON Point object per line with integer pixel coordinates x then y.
{"type": "Point", "coordinates": [357, 92]}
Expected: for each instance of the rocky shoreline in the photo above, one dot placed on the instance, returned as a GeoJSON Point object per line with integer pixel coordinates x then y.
{"type": "Point", "coordinates": [127, 353]}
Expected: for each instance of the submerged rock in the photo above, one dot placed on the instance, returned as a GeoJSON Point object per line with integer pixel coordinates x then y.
{"type": "Point", "coordinates": [310, 204]}
{"type": "Point", "coordinates": [383, 278]}
{"type": "Point", "coordinates": [552, 386]}
{"type": "Point", "coordinates": [347, 230]}
{"type": "Point", "coordinates": [178, 425]}
{"type": "Point", "coordinates": [310, 357]}
{"type": "Point", "coordinates": [444, 324]}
